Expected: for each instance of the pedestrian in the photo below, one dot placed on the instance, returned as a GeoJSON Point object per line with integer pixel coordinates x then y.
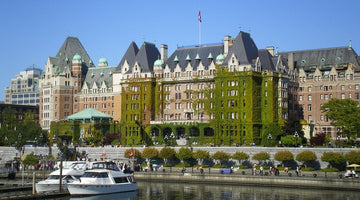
{"type": "Point", "coordinates": [297, 171]}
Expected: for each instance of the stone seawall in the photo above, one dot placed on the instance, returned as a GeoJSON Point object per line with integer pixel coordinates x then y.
{"type": "Point", "coordinates": [8, 153]}
{"type": "Point", "coordinates": [248, 180]}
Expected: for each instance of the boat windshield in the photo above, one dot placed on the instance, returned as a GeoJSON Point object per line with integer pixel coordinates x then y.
{"type": "Point", "coordinates": [95, 175]}
{"type": "Point", "coordinates": [105, 165]}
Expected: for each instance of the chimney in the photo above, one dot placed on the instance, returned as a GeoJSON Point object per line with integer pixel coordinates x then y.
{"type": "Point", "coordinates": [164, 52]}
{"type": "Point", "coordinates": [270, 50]}
{"type": "Point", "coordinates": [226, 45]}
{"type": "Point", "coordinates": [291, 60]}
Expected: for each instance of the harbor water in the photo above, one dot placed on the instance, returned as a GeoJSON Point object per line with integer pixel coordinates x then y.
{"type": "Point", "coordinates": [172, 191]}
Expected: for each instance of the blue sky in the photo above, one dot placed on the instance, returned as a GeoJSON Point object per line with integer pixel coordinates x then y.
{"type": "Point", "coordinates": [33, 30]}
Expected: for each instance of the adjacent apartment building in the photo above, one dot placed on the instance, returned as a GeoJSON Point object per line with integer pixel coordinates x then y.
{"type": "Point", "coordinates": [24, 88]}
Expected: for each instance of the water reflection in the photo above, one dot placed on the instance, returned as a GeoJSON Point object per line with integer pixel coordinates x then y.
{"type": "Point", "coordinates": [117, 196]}
{"type": "Point", "coordinates": [157, 191]}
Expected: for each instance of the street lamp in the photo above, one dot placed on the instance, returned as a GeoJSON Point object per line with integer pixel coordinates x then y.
{"type": "Point", "coordinates": [172, 136]}
{"type": "Point", "coordinates": [165, 139]}
{"type": "Point", "coordinates": [296, 135]}
{"type": "Point", "coordinates": [269, 137]}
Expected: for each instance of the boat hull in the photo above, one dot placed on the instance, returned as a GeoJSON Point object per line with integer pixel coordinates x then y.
{"type": "Point", "coordinates": [49, 187]}
{"type": "Point", "coordinates": [96, 189]}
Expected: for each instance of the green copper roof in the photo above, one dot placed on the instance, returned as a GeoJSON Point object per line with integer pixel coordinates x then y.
{"type": "Point", "coordinates": [158, 62]}
{"type": "Point", "coordinates": [176, 59]}
{"type": "Point", "coordinates": [197, 57]}
{"type": "Point", "coordinates": [88, 114]}
{"type": "Point", "coordinates": [77, 57]}
{"type": "Point", "coordinates": [210, 56]}
{"type": "Point", "coordinates": [188, 57]}
{"type": "Point", "coordinates": [102, 60]}
{"type": "Point", "coordinates": [220, 57]}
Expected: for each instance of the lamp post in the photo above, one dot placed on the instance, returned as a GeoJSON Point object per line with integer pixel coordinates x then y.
{"type": "Point", "coordinates": [296, 135]}
{"type": "Point", "coordinates": [269, 137]}
{"type": "Point", "coordinates": [165, 139]}
{"type": "Point", "coordinates": [172, 136]}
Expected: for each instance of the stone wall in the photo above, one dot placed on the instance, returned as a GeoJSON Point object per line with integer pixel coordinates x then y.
{"type": "Point", "coordinates": [8, 153]}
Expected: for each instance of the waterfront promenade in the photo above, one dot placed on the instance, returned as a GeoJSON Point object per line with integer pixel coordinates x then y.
{"type": "Point", "coordinates": [117, 153]}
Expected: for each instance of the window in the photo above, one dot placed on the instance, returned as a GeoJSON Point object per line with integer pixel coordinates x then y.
{"type": "Point", "coordinates": [309, 89]}
{"type": "Point", "coordinates": [356, 95]}
{"type": "Point", "coordinates": [309, 107]}
{"type": "Point", "coordinates": [342, 87]}
{"type": "Point", "coordinates": [342, 96]}
{"type": "Point", "coordinates": [300, 97]}
{"type": "Point", "coordinates": [309, 98]}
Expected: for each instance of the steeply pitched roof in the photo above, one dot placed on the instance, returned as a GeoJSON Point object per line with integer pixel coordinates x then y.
{"type": "Point", "coordinates": [146, 57]}
{"type": "Point", "coordinates": [203, 53]}
{"type": "Point", "coordinates": [70, 47]}
{"type": "Point", "coordinates": [266, 60]}
{"type": "Point", "coordinates": [244, 49]}
{"type": "Point", "coordinates": [99, 75]}
{"type": "Point", "coordinates": [88, 114]}
{"type": "Point", "coordinates": [129, 55]}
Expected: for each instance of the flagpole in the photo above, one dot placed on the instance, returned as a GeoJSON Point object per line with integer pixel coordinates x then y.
{"type": "Point", "coordinates": [199, 33]}
{"type": "Point", "coordinates": [199, 19]}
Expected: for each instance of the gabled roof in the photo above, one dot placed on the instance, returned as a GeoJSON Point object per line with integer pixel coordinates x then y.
{"type": "Point", "coordinates": [88, 114]}
{"type": "Point", "coordinates": [192, 52]}
{"type": "Point", "coordinates": [244, 48]}
{"type": "Point", "coordinates": [129, 55]}
{"type": "Point", "coordinates": [70, 47]}
{"type": "Point", "coordinates": [146, 57]}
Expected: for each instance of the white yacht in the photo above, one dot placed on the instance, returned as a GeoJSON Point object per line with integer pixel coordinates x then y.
{"type": "Point", "coordinates": [69, 174]}
{"type": "Point", "coordinates": [102, 178]}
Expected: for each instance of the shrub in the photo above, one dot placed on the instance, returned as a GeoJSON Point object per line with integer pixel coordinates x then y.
{"type": "Point", "coordinates": [219, 166]}
{"type": "Point", "coordinates": [306, 157]}
{"type": "Point", "coordinates": [308, 169]}
{"type": "Point", "coordinates": [333, 158]}
{"type": "Point", "coordinates": [167, 153]}
{"type": "Point", "coordinates": [240, 156]}
{"type": "Point", "coordinates": [184, 154]}
{"type": "Point", "coordinates": [201, 155]}
{"type": "Point", "coordinates": [353, 157]}
{"type": "Point", "coordinates": [220, 156]}
{"type": "Point", "coordinates": [284, 156]}
{"type": "Point", "coordinates": [184, 164]}
{"type": "Point", "coordinates": [261, 157]}
{"type": "Point", "coordinates": [30, 159]}
{"type": "Point", "coordinates": [330, 170]}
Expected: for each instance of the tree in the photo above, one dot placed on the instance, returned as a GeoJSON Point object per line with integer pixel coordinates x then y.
{"type": "Point", "coordinates": [149, 153]}
{"type": "Point", "coordinates": [30, 159]}
{"type": "Point", "coordinates": [240, 156]}
{"type": "Point", "coordinates": [288, 141]}
{"type": "Point", "coordinates": [261, 157]}
{"type": "Point", "coordinates": [110, 137]}
{"type": "Point", "coordinates": [284, 156]}
{"type": "Point", "coordinates": [132, 153]}
{"type": "Point", "coordinates": [272, 135]}
{"type": "Point", "coordinates": [344, 113]}
{"type": "Point", "coordinates": [220, 156]}
{"type": "Point", "coordinates": [306, 157]}
{"type": "Point", "coordinates": [333, 158]}
{"type": "Point", "coordinates": [201, 155]}
{"type": "Point", "coordinates": [318, 140]}
{"type": "Point", "coordinates": [184, 154]}
{"type": "Point", "coordinates": [167, 153]}
{"type": "Point", "coordinates": [353, 157]}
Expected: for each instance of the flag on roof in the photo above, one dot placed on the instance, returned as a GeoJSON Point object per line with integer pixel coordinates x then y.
{"type": "Point", "coordinates": [199, 16]}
